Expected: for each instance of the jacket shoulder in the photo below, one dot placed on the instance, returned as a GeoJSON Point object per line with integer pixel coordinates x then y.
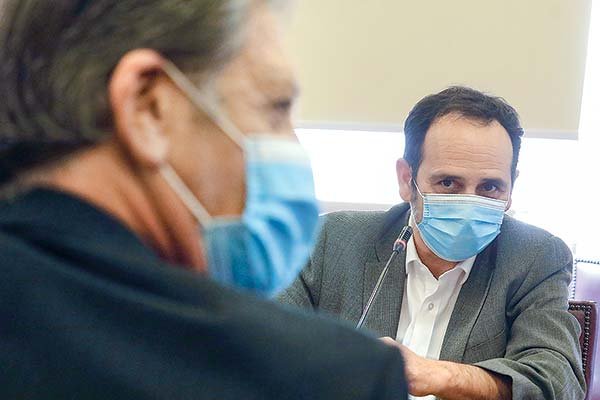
{"type": "Point", "coordinates": [521, 244]}
{"type": "Point", "coordinates": [351, 220]}
{"type": "Point", "coordinates": [523, 235]}
{"type": "Point", "coordinates": [521, 230]}
{"type": "Point", "coordinates": [354, 231]}
{"type": "Point", "coordinates": [367, 224]}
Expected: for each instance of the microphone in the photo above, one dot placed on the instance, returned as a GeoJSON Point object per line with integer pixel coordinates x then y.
{"type": "Point", "coordinates": [399, 247]}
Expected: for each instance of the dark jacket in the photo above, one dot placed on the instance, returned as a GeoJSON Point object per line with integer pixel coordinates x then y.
{"type": "Point", "coordinates": [87, 311]}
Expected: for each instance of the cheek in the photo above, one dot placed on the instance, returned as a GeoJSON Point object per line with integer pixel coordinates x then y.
{"type": "Point", "coordinates": [226, 177]}
{"type": "Point", "coordinates": [221, 163]}
{"type": "Point", "coordinates": [509, 204]}
{"type": "Point", "coordinates": [233, 191]}
{"type": "Point", "coordinates": [281, 124]}
{"type": "Point", "coordinates": [213, 167]}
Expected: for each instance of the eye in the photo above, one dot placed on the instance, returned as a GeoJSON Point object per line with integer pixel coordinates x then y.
{"type": "Point", "coordinates": [489, 187]}
{"type": "Point", "coordinates": [447, 183]}
{"type": "Point", "coordinates": [283, 105]}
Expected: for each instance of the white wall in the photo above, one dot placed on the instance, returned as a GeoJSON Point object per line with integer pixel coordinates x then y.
{"type": "Point", "coordinates": [356, 170]}
{"type": "Point", "coordinates": [365, 63]}
{"type": "Point", "coordinates": [583, 203]}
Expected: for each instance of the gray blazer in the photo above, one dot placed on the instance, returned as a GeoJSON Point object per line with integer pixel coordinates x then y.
{"type": "Point", "coordinates": [511, 315]}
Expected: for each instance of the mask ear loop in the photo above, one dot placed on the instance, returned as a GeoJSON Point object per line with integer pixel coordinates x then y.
{"type": "Point", "coordinates": [412, 220]}
{"type": "Point", "coordinates": [188, 198]}
{"type": "Point", "coordinates": [200, 101]}
{"type": "Point", "coordinates": [414, 182]}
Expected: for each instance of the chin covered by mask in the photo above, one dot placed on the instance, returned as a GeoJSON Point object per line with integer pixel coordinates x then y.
{"type": "Point", "coordinates": [264, 249]}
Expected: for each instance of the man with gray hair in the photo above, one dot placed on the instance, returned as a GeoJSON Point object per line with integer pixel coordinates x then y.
{"type": "Point", "coordinates": [143, 218]}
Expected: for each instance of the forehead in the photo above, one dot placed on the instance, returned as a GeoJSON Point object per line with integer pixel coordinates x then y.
{"type": "Point", "coordinates": [262, 67]}
{"type": "Point", "coordinates": [465, 147]}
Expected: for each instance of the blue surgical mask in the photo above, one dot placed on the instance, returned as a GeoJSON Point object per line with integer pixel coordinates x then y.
{"type": "Point", "coordinates": [264, 249]}
{"type": "Point", "coordinates": [456, 227]}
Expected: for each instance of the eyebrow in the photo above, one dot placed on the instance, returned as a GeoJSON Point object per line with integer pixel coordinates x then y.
{"type": "Point", "coordinates": [285, 85]}
{"type": "Point", "coordinates": [441, 177]}
{"type": "Point", "coordinates": [499, 182]}
{"type": "Point", "coordinates": [288, 89]}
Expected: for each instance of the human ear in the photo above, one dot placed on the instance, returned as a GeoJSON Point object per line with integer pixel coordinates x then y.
{"type": "Point", "coordinates": [404, 175]}
{"type": "Point", "coordinates": [135, 105]}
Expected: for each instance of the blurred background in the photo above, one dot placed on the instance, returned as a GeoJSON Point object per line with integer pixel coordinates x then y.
{"type": "Point", "coordinates": [363, 65]}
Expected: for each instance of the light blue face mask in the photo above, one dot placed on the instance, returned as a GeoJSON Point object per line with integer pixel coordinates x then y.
{"type": "Point", "coordinates": [265, 249]}
{"type": "Point", "coordinates": [459, 226]}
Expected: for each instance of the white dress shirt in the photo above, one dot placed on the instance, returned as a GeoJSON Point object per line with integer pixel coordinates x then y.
{"type": "Point", "coordinates": [427, 304]}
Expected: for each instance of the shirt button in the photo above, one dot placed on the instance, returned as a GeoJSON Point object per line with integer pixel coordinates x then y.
{"type": "Point", "coordinates": [430, 306]}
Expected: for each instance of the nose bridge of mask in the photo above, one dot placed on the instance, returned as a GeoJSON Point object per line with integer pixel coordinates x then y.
{"type": "Point", "coordinates": [461, 199]}
{"type": "Point", "coordinates": [268, 156]}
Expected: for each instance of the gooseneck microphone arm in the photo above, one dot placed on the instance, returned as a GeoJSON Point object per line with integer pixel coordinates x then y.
{"type": "Point", "coordinates": [399, 247]}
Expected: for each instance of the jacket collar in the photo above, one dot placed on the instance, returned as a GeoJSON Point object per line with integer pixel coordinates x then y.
{"type": "Point", "coordinates": [60, 217]}
{"type": "Point", "coordinates": [468, 306]}
{"type": "Point", "coordinates": [385, 311]}
{"type": "Point", "coordinates": [395, 219]}
{"type": "Point", "coordinates": [92, 243]}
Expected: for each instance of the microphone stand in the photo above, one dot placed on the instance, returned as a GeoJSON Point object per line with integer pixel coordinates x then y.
{"type": "Point", "coordinates": [399, 247]}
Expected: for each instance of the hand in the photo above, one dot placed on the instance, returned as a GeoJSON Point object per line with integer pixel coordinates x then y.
{"type": "Point", "coordinates": [450, 380]}
{"type": "Point", "coordinates": [421, 373]}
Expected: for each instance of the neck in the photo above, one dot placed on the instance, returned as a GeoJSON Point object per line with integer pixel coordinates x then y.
{"type": "Point", "coordinates": [103, 177]}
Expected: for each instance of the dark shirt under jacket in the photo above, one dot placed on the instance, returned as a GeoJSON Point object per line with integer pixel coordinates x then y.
{"type": "Point", "coordinates": [87, 311]}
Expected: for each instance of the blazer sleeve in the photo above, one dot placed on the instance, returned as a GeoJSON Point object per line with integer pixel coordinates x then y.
{"type": "Point", "coordinates": [542, 357]}
{"type": "Point", "coordinates": [306, 289]}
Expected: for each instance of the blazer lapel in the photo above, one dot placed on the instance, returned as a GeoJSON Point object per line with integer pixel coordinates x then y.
{"type": "Point", "coordinates": [468, 306]}
{"type": "Point", "coordinates": [384, 315]}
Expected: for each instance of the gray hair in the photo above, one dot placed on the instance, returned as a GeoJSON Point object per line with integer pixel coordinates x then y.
{"type": "Point", "coordinates": [56, 58]}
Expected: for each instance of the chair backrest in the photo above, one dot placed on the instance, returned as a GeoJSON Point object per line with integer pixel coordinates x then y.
{"type": "Point", "coordinates": [585, 284]}
{"type": "Point", "coordinates": [586, 314]}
